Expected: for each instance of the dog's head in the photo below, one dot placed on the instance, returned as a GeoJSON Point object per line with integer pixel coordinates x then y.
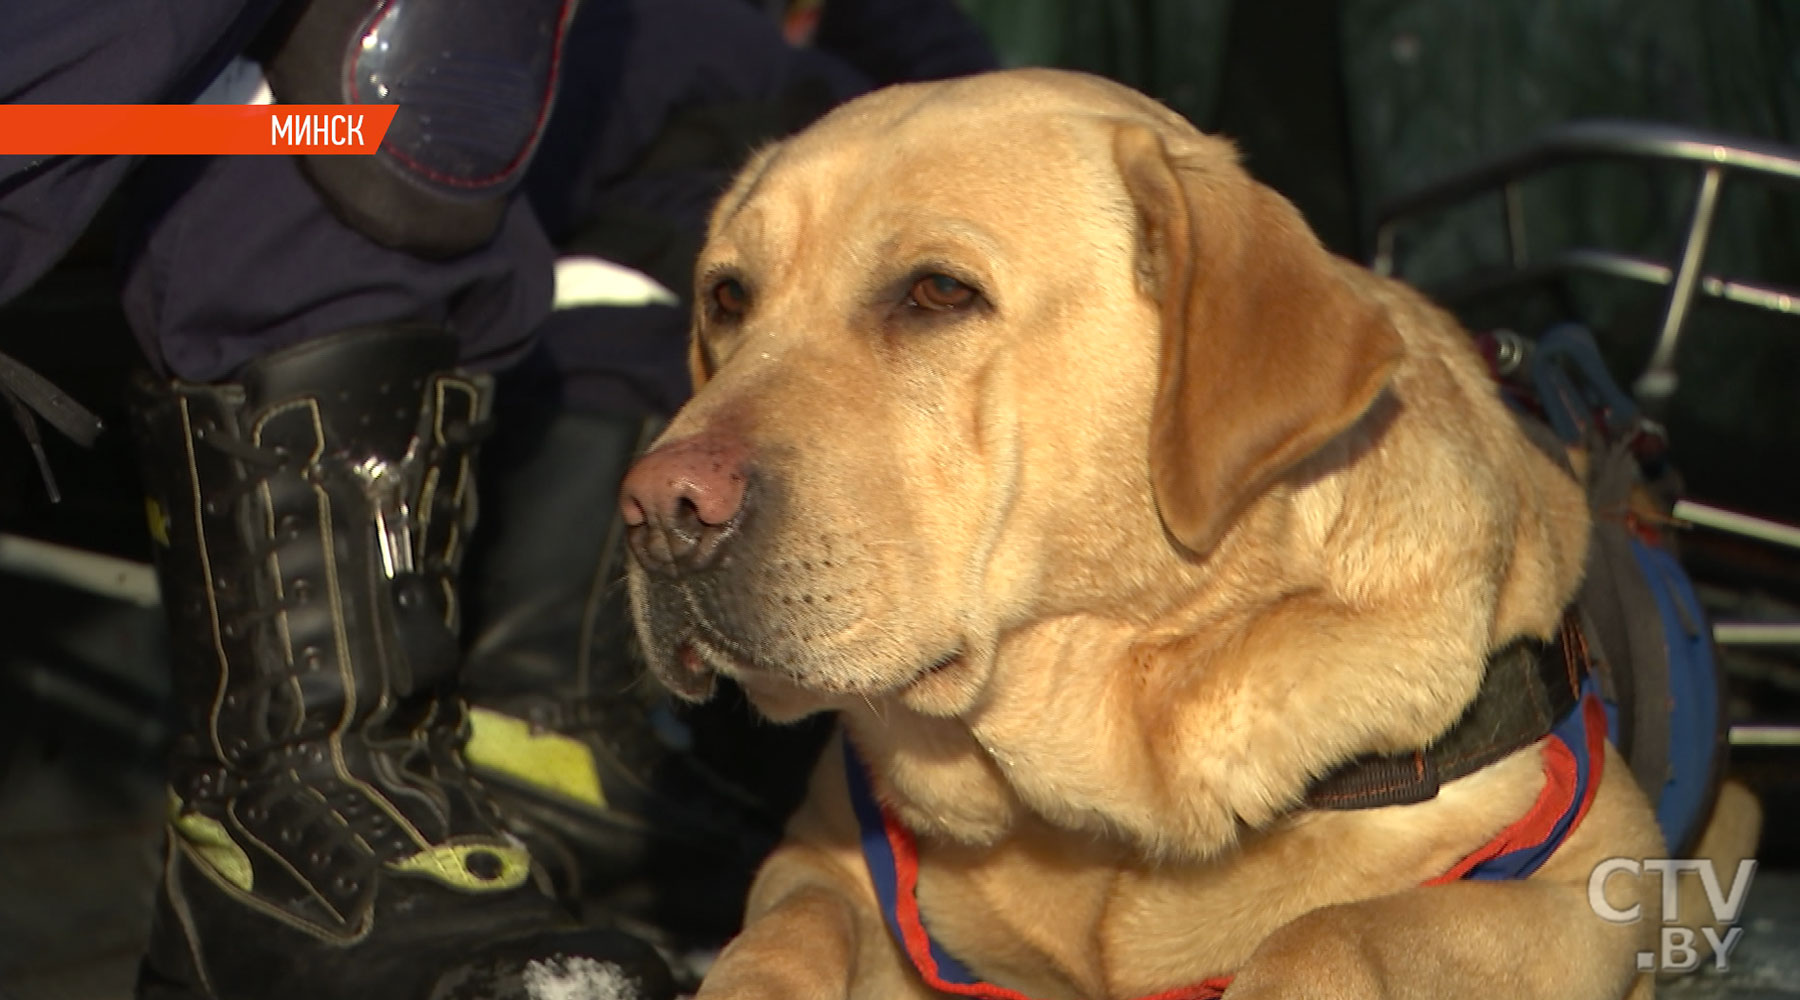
{"type": "Point", "coordinates": [969, 355]}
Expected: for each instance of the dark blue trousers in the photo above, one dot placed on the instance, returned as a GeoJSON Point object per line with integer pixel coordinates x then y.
{"type": "Point", "coordinates": [228, 258]}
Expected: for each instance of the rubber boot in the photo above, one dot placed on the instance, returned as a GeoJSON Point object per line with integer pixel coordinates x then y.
{"type": "Point", "coordinates": [326, 839]}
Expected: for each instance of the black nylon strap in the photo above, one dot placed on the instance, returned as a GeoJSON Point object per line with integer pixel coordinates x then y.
{"type": "Point", "coordinates": [1528, 686]}
{"type": "Point", "coordinates": [54, 405]}
{"type": "Point", "coordinates": [27, 393]}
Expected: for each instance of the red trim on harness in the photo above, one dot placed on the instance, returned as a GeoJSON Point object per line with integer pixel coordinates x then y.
{"type": "Point", "coordinates": [1561, 786]}
{"type": "Point", "coordinates": [918, 941]}
{"type": "Point", "coordinates": [1563, 791]}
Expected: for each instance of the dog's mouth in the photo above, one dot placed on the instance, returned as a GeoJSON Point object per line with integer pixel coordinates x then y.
{"type": "Point", "coordinates": [943, 664]}
{"type": "Point", "coordinates": [940, 684]}
{"type": "Point", "coordinates": [693, 677]}
{"type": "Point", "coordinates": [703, 655]}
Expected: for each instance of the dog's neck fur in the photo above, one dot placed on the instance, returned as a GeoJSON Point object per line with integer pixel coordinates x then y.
{"type": "Point", "coordinates": [1185, 741]}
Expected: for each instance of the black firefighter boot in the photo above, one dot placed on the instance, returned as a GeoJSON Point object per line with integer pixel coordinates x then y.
{"type": "Point", "coordinates": [325, 838]}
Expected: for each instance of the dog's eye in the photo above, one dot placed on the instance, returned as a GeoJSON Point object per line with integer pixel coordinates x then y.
{"type": "Point", "coordinates": [731, 298]}
{"type": "Point", "coordinates": [940, 292]}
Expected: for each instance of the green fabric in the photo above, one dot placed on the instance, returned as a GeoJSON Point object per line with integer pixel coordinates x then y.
{"type": "Point", "coordinates": [1169, 49]}
{"type": "Point", "coordinates": [1435, 86]}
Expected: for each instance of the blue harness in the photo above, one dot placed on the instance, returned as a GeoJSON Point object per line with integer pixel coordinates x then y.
{"type": "Point", "coordinates": [1653, 644]}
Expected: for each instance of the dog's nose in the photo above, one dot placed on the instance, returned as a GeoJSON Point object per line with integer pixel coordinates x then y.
{"type": "Point", "coordinates": [681, 502]}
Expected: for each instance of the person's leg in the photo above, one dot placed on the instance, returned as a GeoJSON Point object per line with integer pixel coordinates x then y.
{"type": "Point", "coordinates": [107, 52]}
{"type": "Point", "coordinates": [310, 467]}
{"type": "Point", "coordinates": [309, 464]}
{"type": "Point", "coordinates": [235, 257]}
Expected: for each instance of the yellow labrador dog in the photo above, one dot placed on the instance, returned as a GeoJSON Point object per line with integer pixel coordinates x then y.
{"type": "Point", "coordinates": [1110, 513]}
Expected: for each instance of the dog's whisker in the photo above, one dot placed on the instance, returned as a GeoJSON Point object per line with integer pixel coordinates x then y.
{"type": "Point", "coordinates": [880, 716]}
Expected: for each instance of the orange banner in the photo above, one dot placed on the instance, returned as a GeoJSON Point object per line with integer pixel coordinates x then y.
{"type": "Point", "coordinates": [187, 129]}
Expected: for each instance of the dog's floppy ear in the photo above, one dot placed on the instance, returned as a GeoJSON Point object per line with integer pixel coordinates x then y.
{"type": "Point", "coordinates": [1267, 352]}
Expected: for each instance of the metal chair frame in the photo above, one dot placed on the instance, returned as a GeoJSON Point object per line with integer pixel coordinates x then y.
{"type": "Point", "coordinates": [1715, 160]}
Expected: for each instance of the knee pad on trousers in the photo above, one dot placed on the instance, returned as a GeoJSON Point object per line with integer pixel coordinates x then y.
{"type": "Point", "coordinates": [474, 81]}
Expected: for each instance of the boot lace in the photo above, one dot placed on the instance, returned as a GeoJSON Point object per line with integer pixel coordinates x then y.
{"type": "Point", "coordinates": [414, 725]}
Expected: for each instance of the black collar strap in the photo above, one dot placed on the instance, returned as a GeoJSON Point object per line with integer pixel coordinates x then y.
{"type": "Point", "coordinates": [1529, 685]}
